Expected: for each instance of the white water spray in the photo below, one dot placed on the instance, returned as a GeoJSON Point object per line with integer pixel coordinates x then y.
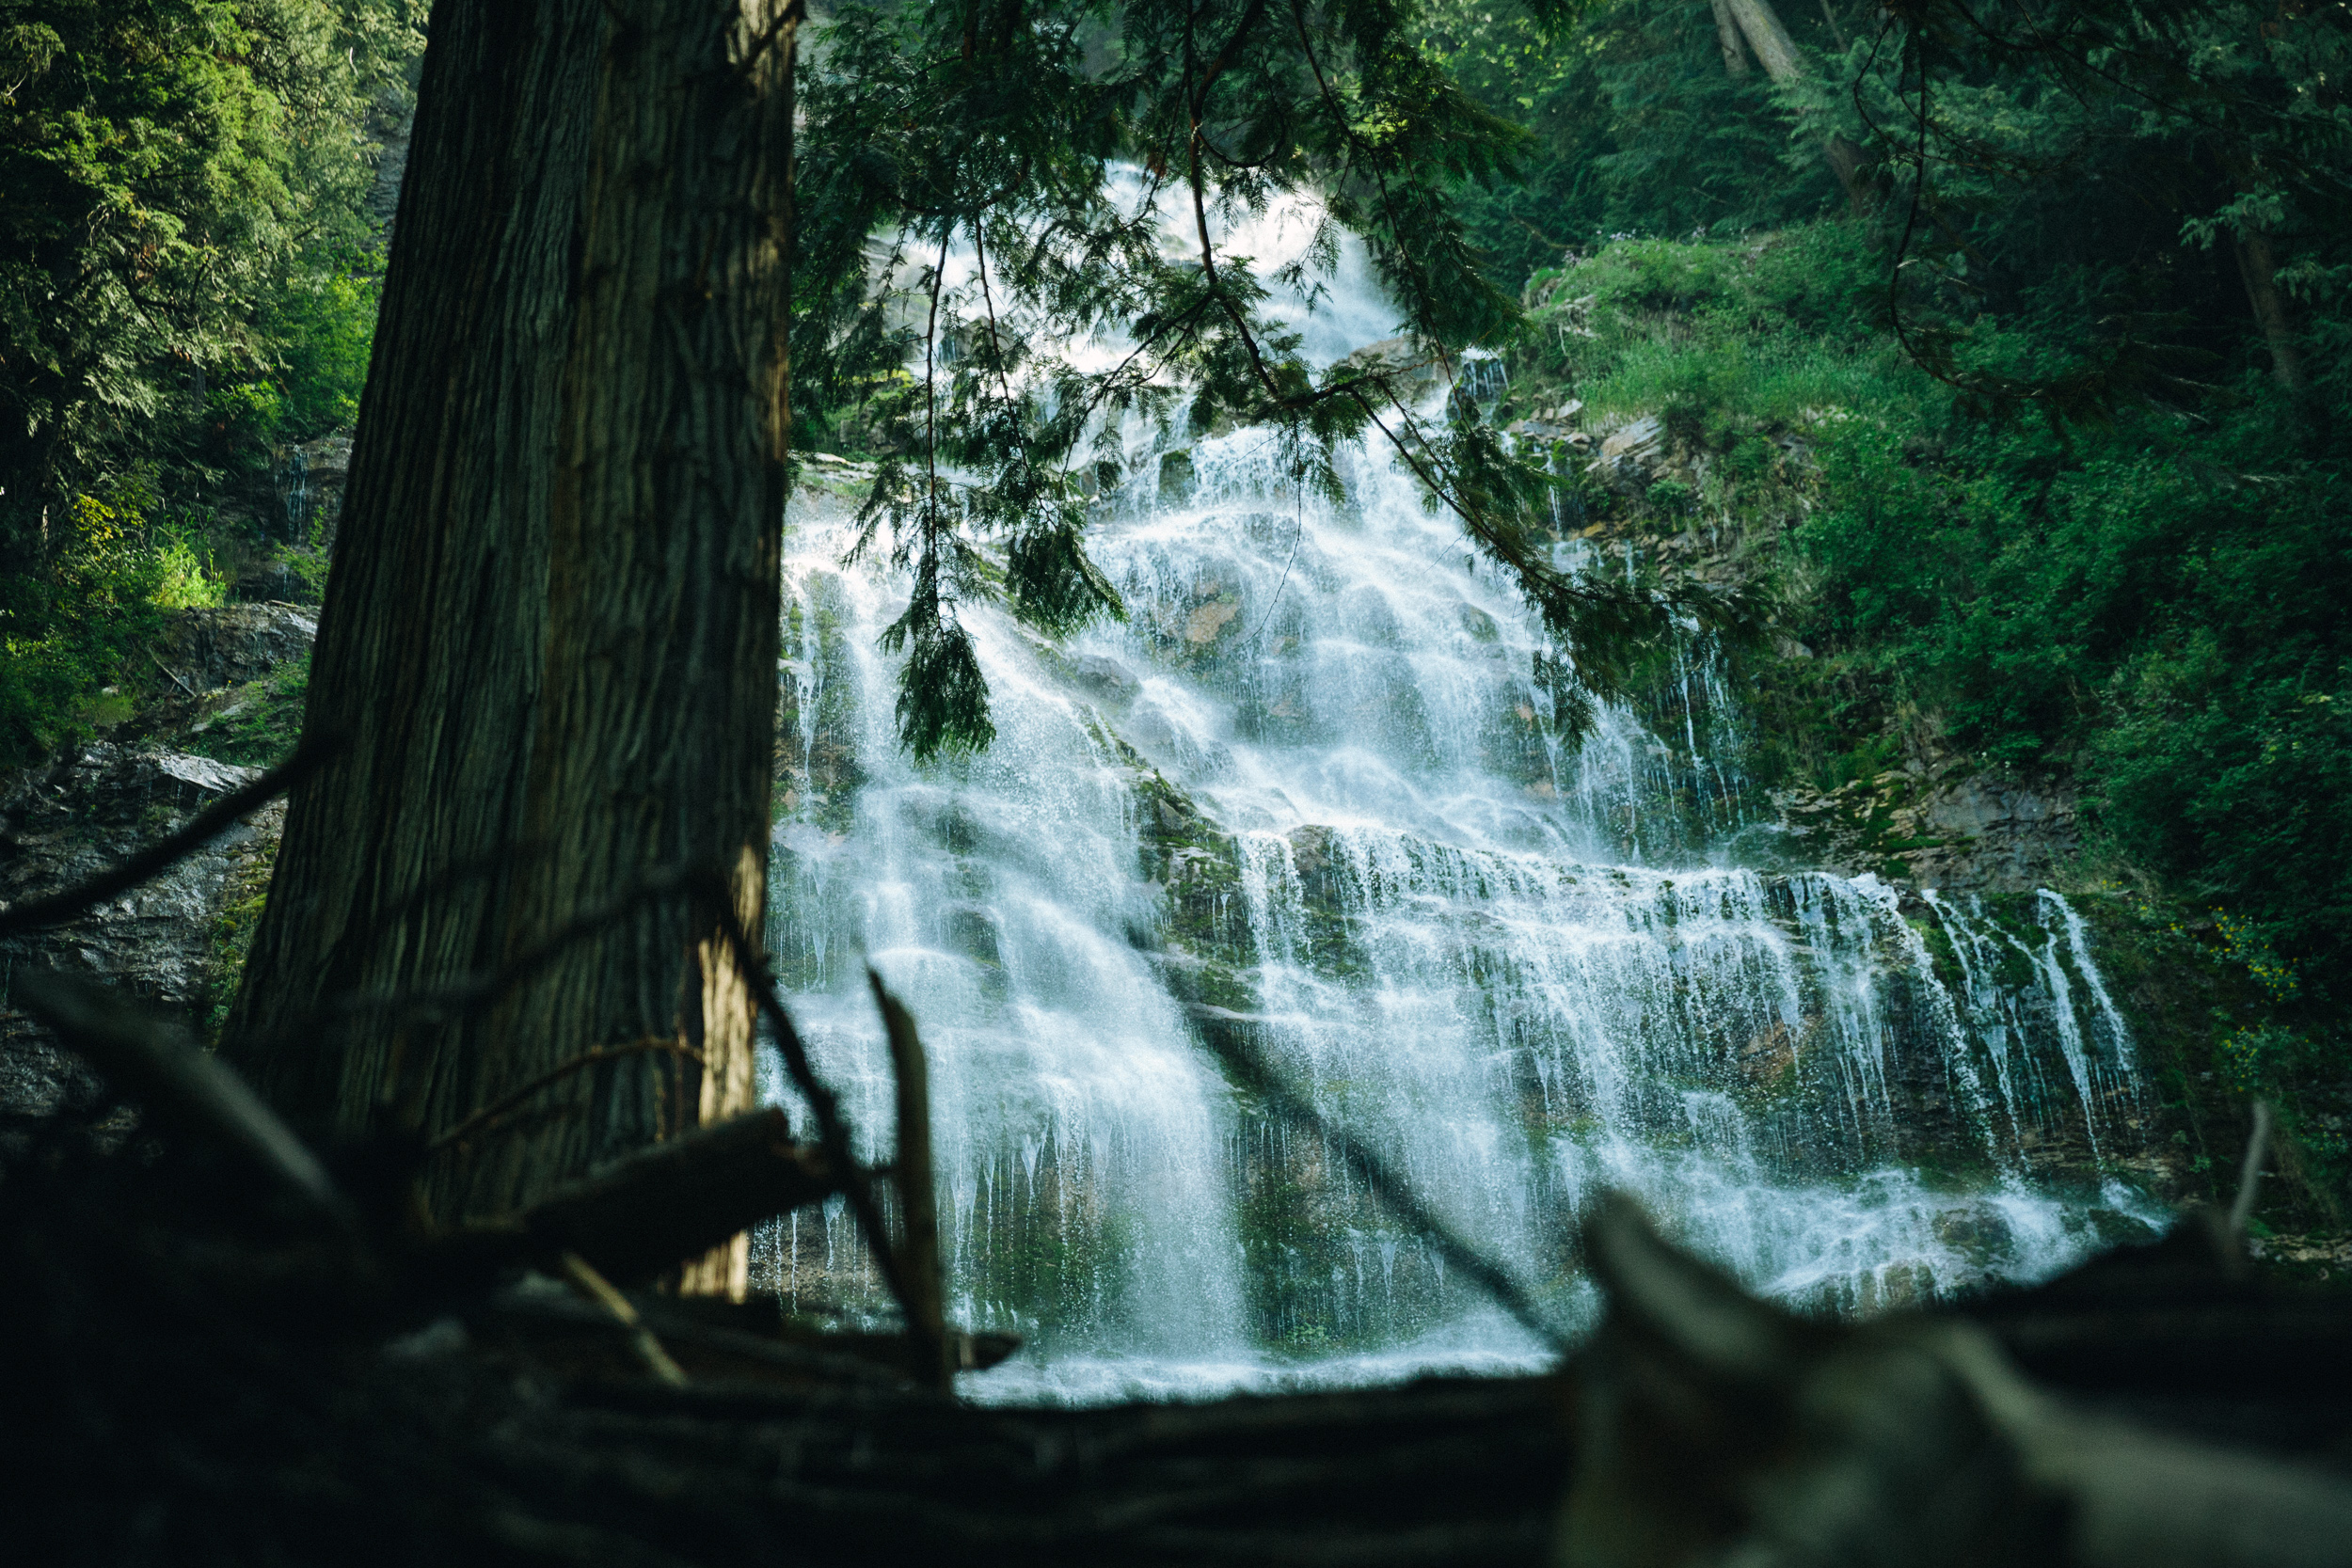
{"type": "Point", "coordinates": [1307, 794]}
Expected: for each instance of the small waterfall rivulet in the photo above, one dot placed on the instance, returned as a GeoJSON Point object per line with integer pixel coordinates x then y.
{"type": "Point", "coordinates": [1305, 792]}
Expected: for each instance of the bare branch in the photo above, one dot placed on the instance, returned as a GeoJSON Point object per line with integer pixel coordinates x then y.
{"type": "Point", "coordinates": [205, 827]}
{"type": "Point", "coordinates": [158, 1064]}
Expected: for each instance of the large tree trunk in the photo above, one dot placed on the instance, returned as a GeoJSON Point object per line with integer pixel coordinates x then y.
{"type": "Point", "coordinates": [551, 634]}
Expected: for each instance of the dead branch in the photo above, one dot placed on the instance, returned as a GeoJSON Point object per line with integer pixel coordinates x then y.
{"type": "Point", "coordinates": [833, 1129]}
{"type": "Point", "coordinates": [927, 1328]}
{"type": "Point", "coordinates": [158, 1064]}
{"type": "Point", "coordinates": [600, 1290]}
{"type": "Point", "coordinates": [201, 829]}
{"type": "Point", "coordinates": [645, 1212]}
{"type": "Point", "coordinates": [173, 673]}
{"type": "Point", "coordinates": [490, 1116]}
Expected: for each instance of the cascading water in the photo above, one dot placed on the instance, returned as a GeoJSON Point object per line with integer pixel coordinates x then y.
{"type": "Point", "coordinates": [1304, 794]}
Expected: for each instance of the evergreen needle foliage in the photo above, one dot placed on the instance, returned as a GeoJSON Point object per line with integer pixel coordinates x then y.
{"type": "Point", "coordinates": [1050, 172]}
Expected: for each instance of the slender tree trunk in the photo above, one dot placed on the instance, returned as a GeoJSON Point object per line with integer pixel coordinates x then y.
{"type": "Point", "coordinates": [551, 632]}
{"type": "Point", "coordinates": [2258, 264]}
{"type": "Point", "coordinates": [1777, 52]}
{"type": "Point", "coordinates": [1774, 49]}
{"type": "Point", "coordinates": [2258, 267]}
{"type": "Point", "coordinates": [1727, 34]}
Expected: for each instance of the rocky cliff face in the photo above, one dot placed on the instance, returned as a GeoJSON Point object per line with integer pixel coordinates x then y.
{"type": "Point", "coordinates": [174, 941]}
{"type": "Point", "coordinates": [1957, 830]}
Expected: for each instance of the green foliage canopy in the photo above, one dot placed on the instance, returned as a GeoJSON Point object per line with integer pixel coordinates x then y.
{"type": "Point", "coordinates": [1092, 159]}
{"type": "Point", "coordinates": [182, 188]}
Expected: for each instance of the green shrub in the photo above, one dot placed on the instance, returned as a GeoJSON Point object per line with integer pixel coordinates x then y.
{"type": "Point", "coordinates": [111, 580]}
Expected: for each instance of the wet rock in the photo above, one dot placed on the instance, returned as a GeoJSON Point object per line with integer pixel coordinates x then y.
{"type": "Point", "coordinates": [1998, 836]}
{"type": "Point", "coordinates": [1981, 1235]}
{"type": "Point", "coordinates": [972, 930]}
{"type": "Point", "coordinates": [1207, 621]}
{"type": "Point", "coordinates": [1768, 1055]}
{"type": "Point", "coordinates": [204, 650]}
{"type": "Point", "coordinates": [1176, 478]}
{"type": "Point", "coordinates": [1105, 679]}
{"type": "Point", "coordinates": [1480, 624]}
{"type": "Point", "coordinates": [1961, 834]}
{"type": "Point", "coordinates": [1410, 362]}
{"type": "Point", "coordinates": [164, 942]}
{"type": "Point", "coordinates": [1630, 451]}
{"type": "Point", "coordinates": [1310, 849]}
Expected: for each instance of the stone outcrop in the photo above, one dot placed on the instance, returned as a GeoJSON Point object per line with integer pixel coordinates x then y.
{"type": "Point", "coordinates": [166, 941]}
{"type": "Point", "coordinates": [1959, 831]}
{"type": "Point", "coordinates": [174, 941]}
{"type": "Point", "coordinates": [205, 650]}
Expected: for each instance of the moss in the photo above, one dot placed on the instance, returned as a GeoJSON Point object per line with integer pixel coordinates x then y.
{"type": "Point", "coordinates": [232, 938]}
{"type": "Point", "coordinates": [259, 721]}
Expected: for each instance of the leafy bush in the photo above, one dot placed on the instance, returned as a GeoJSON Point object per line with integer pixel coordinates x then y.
{"type": "Point", "coordinates": [67, 631]}
{"type": "Point", "coordinates": [2134, 605]}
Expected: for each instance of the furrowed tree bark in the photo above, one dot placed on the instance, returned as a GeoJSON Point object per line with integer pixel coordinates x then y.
{"type": "Point", "coordinates": [393, 870]}
{"type": "Point", "coordinates": [656, 740]}
{"type": "Point", "coordinates": [551, 631]}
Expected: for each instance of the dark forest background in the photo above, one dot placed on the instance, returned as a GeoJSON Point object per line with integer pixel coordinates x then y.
{"type": "Point", "coordinates": [2005, 346]}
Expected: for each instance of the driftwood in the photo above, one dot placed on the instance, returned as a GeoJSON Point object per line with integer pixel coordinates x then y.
{"type": "Point", "coordinates": [1712, 1427]}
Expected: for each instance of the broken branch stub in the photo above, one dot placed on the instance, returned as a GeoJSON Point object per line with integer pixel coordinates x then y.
{"type": "Point", "coordinates": [926, 1326]}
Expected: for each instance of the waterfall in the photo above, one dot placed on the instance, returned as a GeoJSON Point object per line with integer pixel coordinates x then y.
{"type": "Point", "coordinates": [1307, 794]}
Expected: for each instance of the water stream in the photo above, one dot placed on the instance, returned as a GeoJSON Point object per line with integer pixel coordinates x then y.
{"type": "Point", "coordinates": [1306, 793]}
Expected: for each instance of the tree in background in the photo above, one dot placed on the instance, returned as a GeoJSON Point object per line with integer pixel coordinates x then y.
{"type": "Point", "coordinates": [548, 646]}
{"type": "Point", "coordinates": [169, 168]}
{"type": "Point", "coordinates": [1091, 160]}
{"type": "Point", "coordinates": [183, 260]}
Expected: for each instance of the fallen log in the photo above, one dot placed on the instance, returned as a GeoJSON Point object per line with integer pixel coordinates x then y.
{"type": "Point", "coordinates": [648, 1212]}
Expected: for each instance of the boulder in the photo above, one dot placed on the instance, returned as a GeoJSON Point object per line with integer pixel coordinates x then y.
{"type": "Point", "coordinates": [162, 940]}
{"type": "Point", "coordinates": [1632, 450]}
{"type": "Point", "coordinates": [204, 650]}
{"type": "Point", "coordinates": [1105, 679]}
